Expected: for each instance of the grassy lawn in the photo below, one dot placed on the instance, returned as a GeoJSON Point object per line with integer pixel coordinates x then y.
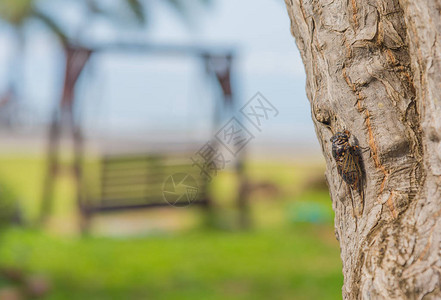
{"type": "Point", "coordinates": [290, 253]}
{"type": "Point", "coordinates": [296, 263]}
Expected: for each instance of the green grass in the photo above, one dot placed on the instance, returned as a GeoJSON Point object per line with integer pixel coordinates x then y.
{"type": "Point", "coordinates": [282, 257]}
{"type": "Point", "coordinates": [297, 263]}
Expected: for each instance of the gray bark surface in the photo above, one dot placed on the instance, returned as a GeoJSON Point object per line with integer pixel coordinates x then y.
{"type": "Point", "coordinates": [374, 68]}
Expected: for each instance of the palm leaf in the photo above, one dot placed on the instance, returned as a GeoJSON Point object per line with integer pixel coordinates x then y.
{"type": "Point", "coordinates": [138, 10]}
{"type": "Point", "coordinates": [134, 11]}
{"type": "Point", "coordinates": [182, 8]}
{"type": "Point", "coordinates": [16, 12]}
{"type": "Point", "coordinates": [52, 25]}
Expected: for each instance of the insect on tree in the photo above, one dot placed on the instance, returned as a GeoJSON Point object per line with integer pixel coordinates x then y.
{"type": "Point", "coordinates": [349, 167]}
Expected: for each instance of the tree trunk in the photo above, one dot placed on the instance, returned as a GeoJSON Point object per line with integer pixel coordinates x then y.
{"type": "Point", "coordinates": [374, 68]}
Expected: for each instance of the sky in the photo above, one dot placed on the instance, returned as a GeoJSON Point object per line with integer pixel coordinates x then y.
{"type": "Point", "coordinates": [126, 93]}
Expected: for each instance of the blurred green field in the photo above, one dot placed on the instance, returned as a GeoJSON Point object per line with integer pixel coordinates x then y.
{"type": "Point", "coordinates": [289, 253]}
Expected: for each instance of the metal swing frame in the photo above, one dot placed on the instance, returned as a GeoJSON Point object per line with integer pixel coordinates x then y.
{"type": "Point", "coordinates": [218, 65]}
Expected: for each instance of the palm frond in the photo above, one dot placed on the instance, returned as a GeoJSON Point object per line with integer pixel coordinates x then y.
{"type": "Point", "coordinates": [137, 8]}
{"type": "Point", "coordinates": [119, 12]}
{"type": "Point", "coordinates": [52, 25]}
{"type": "Point", "coordinates": [183, 8]}
{"type": "Point", "coordinates": [16, 12]}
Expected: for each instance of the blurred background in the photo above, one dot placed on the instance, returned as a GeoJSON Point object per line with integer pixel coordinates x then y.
{"type": "Point", "coordinates": [159, 149]}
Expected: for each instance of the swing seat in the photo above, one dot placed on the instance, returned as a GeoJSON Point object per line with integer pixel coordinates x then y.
{"type": "Point", "coordinates": [144, 181]}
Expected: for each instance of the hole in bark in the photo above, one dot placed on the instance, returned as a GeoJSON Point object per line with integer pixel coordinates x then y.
{"type": "Point", "coordinates": [433, 135]}
{"type": "Point", "coordinates": [322, 115]}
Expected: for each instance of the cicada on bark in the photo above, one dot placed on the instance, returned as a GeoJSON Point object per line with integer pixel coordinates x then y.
{"type": "Point", "coordinates": [349, 166]}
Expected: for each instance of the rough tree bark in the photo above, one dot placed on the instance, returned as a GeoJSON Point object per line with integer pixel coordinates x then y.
{"type": "Point", "coordinates": [374, 68]}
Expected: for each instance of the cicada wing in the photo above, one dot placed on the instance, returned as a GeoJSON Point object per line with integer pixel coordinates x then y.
{"type": "Point", "coordinates": [358, 164]}
{"type": "Point", "coordinates": [357, 186]}
{"type": "Point", "coordinates": [350, 169]}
